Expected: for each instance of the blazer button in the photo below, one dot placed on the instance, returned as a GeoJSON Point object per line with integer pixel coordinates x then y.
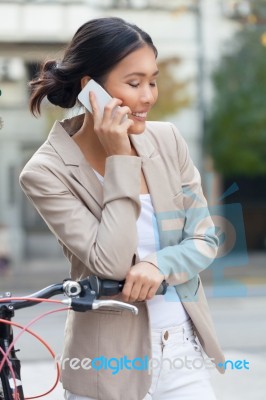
{"type": "Point", "coordinates": [166, 335]}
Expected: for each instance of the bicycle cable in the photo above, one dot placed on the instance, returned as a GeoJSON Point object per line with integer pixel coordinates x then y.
{"type": "Point", "coordinates": [11, 371]}
{"type": "Point", "coordinates": [25, 329]}
{"type": "Point", "coordinates": [45, 344]}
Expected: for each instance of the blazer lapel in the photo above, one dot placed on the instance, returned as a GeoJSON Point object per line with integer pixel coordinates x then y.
{"type": "Point", "coordinates": [72, 156]}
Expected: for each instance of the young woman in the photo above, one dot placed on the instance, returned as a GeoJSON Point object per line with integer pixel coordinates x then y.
{"type": "Point", "coordinates": [124, 200]}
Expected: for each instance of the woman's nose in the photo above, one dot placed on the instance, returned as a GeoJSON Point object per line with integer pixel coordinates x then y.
{"type": "Point", "coordinates": [147, 96]}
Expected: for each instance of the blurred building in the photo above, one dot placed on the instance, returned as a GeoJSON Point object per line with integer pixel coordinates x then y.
{"type": "Point", "coordinates": [30, 31]}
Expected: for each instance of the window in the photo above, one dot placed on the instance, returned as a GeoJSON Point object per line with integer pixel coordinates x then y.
{"type": "Point", "coordinates": [12, 78]}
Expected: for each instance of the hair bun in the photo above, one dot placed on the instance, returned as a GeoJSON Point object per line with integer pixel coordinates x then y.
{"type": "Point", "coordinates": [50, 66]}
{"type": "Point", "coordinates": [60, 89]}
{"type": "Point", "coordinates": [62, 95]}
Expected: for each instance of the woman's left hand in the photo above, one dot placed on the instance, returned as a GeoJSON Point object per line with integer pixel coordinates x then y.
{"type": "Point", "coordinates": [142, 282]}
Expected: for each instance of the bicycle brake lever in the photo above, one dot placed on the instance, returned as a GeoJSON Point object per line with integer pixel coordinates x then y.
{"type": "Point", "coordinates": [81, 304]}
{"type": "Point", "coordinates": [88, 302]}
{"type": "Point", "coordinates": [114, 304]}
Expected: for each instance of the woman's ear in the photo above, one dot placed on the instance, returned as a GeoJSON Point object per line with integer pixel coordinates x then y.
{"type": "Point", "coordinates": [84, 81]}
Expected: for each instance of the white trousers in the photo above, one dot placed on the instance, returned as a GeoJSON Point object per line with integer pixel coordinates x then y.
{"type": "Point", "coordinates": [177, 366]}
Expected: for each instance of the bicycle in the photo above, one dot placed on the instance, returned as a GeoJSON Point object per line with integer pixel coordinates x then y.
{"type": "Point", "coordinates": [82, 296]}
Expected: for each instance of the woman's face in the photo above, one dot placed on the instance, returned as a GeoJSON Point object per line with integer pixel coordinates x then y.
{"type": "Point", "coordinates": [133, 81]}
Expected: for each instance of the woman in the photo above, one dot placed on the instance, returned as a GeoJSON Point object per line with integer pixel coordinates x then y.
{"type": "Point", "coordinates": [124, 200]}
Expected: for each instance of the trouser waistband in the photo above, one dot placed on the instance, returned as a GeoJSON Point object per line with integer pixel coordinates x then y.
{"type": "Point", "coordinates": [178, 333]}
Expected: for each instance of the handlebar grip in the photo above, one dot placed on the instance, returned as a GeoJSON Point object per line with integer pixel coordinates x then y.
{"type": "Point", "coordinates": [108, 287]}
{"type": "Point", "coordinates": [162, 289]}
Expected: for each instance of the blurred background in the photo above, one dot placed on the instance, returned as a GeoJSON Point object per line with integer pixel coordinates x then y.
{"type": "Point", "coordinates": [212, 85]}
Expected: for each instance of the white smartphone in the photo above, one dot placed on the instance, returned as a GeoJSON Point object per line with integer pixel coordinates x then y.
{"type": "Point", "coordinates": [102, 97]}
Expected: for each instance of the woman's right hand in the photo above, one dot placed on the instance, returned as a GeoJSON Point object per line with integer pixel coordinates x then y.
{"type": "Point", "coordinates": [110, 128]}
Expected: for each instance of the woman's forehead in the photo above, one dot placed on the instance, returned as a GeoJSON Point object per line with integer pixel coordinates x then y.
{"type": "Point", "coordinates": [140, 62]}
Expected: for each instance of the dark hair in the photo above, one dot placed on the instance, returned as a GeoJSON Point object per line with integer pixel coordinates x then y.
{"type": "Point", "coordinates": [97, 46]}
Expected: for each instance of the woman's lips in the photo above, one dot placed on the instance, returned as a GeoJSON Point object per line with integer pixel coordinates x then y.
{"type": "Point", "coordinates": [141, 116]}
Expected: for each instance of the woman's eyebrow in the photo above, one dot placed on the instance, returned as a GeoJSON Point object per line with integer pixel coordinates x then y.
{"type": "Point", "coordinates": [141, 74]}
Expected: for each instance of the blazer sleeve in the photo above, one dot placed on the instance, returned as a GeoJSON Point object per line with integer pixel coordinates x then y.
{"type": "Point", "coordinates": [106, 247]}
{"type": "Point", "coordinates": [199, 244]}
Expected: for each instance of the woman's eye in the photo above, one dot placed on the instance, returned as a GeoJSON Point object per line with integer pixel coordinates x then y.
{"type": "Point", "coordinates": [133, 84]}
{"type": "Point", "coordinates": [137, 84]}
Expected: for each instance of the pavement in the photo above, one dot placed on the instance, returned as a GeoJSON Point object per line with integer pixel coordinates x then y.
{"type": "Point", "coordinates": [237, 303]}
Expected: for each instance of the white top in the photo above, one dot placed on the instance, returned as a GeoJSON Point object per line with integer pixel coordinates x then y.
{"type": "Point", "coordinates": [164, 310]}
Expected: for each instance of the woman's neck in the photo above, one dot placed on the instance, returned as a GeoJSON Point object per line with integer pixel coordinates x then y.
{"type": "Point", "coordinates": [87, 139]}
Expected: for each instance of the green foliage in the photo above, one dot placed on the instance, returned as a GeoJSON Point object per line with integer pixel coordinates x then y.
{"type": "Point", "coordinates": [258, 8]}
{"type": "Point", "coordinates": [236, 126]}
{"type": "Point", "coordinates": [173, 94]}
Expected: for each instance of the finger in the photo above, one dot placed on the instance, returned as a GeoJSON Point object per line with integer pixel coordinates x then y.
{"type": "Point", "coordinates": [109, 109]}
{"type": "Point", "coordinates": [151, 293]}
{"type": "Point", "coordinates": [135, 292]}
{"type": "Point", "coordinates": [127, 123]}
{"type": "Point", "coordinates": [143, 294]}
{"type": "Point", "coordinates": [153, 289]}
{"type": "Point", "coordinates": [120, 113]}
{"type": "Point", "coordinates": [94, 106]}
{"type": "Point", "coordinates": [127, 290]}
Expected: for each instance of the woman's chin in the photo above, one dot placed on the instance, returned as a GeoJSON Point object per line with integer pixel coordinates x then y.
{"type": "Point", "coordinates": [137, 128]}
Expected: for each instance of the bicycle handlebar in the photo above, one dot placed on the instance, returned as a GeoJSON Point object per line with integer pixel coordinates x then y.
{"type": "Point", "coordinates": [108, 287]}
{"type": "Point", "coordinates": [82, 295]}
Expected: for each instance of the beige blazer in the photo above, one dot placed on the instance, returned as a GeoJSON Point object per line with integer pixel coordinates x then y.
{"type": "Point", "coordinates": [97, 228]}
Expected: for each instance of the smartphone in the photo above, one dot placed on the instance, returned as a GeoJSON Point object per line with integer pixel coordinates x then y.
{"type": "Point", "coordinates": [102, 97]}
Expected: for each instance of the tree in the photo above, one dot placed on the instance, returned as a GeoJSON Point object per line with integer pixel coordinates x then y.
{"type": "Point", "coordinates": [236, 125]}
